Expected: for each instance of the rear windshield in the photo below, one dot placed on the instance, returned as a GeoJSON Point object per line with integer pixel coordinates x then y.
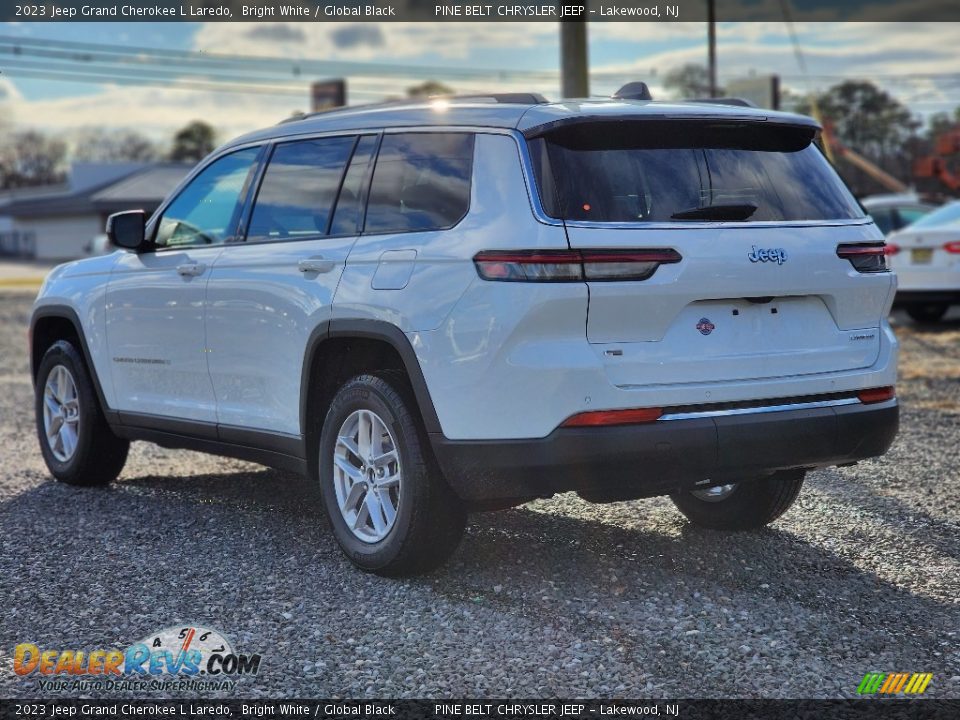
{"type": "Point", "coordinates": [682, 171]}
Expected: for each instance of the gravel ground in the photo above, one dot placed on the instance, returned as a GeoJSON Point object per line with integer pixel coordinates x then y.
{"type": "Point", "coordinates": [557, 598]}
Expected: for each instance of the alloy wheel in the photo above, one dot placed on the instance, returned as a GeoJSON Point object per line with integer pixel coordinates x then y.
{"type": "Point", "coordinates": [367, 476]}
{"type": "Point", "coordinates": [61, 413]}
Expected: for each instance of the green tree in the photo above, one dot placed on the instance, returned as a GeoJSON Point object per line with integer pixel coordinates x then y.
{"type": "Point", "coordinates": [865, 118]}
{"type": "Point", "coordinates": [193, 142]}
{"type": "Point", "coordinates": [875, 125]}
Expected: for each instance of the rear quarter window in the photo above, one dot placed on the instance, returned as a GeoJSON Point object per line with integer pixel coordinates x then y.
{"type": "Point", "coordinates": [652, 171]}
{"type": "Point", "coordinates": [421, 181]}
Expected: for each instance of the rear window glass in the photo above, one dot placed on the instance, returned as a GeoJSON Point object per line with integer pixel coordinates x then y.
{"type": "Point", "coordinates": [421, 182]}
{"type": "Point", "coordinates": [677, 171]}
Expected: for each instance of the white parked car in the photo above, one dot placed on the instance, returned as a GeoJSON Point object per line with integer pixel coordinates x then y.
{"type": "Point", "coordinates": [895, 211]}
{"type": "Point", "coordinates": [926, 257]}
{"type": "Point", "coordinates": [437, 308]}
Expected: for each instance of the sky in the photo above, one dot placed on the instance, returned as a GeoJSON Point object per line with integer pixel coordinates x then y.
{"type": "Point", "coordinates": [919, 63]}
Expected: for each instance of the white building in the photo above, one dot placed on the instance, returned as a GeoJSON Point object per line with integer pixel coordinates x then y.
{"type": "Point", "coordinates": [60, 222]}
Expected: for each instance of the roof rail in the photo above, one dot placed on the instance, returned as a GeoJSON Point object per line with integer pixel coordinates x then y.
{"type": "Point", "coordinates": [520, 98]}
{"type": "Point", "coordinates": [739, 102]}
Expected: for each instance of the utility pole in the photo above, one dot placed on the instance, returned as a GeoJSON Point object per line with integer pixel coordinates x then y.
{"type": "Point", "coordinates": [573, 59]}
{"type": "Point", "coordinates": [712, 46]}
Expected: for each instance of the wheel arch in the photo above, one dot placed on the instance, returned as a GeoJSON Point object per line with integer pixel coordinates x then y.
{"type": "Point", "coordinates": [51, 323]}
{"type": "Point", "coordinates": [339, 349]}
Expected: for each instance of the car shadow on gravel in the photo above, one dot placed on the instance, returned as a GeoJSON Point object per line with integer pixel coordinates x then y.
{"type": "Point", "coordinates": [573, 555]}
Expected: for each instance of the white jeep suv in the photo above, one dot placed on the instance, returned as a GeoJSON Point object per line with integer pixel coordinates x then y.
{"type": "Point", "coordinates": [449, 306]}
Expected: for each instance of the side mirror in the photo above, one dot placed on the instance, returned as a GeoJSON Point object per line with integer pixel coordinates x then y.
{"type": "Point", "coordinates": [127, 230]}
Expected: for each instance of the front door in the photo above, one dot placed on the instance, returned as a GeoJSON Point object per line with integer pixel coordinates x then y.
{"type": "Point", "coordinates": [156, 300]}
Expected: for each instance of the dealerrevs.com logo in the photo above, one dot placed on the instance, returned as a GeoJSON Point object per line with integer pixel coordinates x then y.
{"type": "Point", "coordinates": [176, 658]}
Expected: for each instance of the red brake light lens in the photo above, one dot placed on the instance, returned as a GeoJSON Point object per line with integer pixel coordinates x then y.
{"type": "Point", "coordinates": [865, 258]}
{"type": "Point", "coordinates": [571, 265]}
{"type": "Point", "coordinates": [891, 249]}
{"type": "Point", "coordinates": [877, 395]}
{"type": "Point", "coordinates": [953, 247]}
{"type": "Point", "coordinates": [598, 418]}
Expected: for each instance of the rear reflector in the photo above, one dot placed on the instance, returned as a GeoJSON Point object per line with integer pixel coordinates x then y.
{"type": "Point", "coordinates": [571, 265]}
{"type": "Point", "coordinates": [876, 395]}
{"type": "Point", "coordinates": [613, 417]}
{"type": "Point", "coordinates": [865, 258]}
{"type": "Point", "coordinates": [953, 247]}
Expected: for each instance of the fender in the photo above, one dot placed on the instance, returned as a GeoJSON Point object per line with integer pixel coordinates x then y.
{"type": "Point", "coordinates": [65, 312]}
{"type": "Point", "coordinates": [371, 330]}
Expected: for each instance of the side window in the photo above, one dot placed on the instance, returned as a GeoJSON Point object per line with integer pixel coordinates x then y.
{"type": "Point", "coordinates": [421, 182]}
{"type": "Point", "coordinates": [908, 215]}
{"type": "Point", "coordinates": [207, 210]}
{"type": "Point", "coordinates": [884, 219]}
{"type": "Point", "coordinates": [298, 189]}
{"type": "Point", "coordinates": [349, 212]}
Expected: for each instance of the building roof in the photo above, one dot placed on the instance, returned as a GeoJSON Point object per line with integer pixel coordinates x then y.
{"type": "Point", "coordinates": [526, 117]}
{"type": "Point", "coordinates": [131, 186]}
{"type": "Point", "coordinates": [146, 187]}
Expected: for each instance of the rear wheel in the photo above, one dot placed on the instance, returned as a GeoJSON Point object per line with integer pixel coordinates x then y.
{"type": "Point", "coordinates": [741, 506]}
{"type": "Point", "coordinates": [77, 444]}
{"type": "Point", "coordinates": [927, 312]}
{"type": "Point", "coordinates": [390, 509]}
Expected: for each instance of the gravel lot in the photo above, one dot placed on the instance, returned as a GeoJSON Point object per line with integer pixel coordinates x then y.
{"type": "Point", "coordinates": [557, 598]}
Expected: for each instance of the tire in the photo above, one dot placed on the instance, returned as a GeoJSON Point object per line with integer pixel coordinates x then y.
{"type": "Point", "coordinates": [84, 451]}
{"type": "Point", "coordinates": [744, 506]}
{"type": "Point", "coordinates": [927, 312]}
{"type": "Point", "coordinates": [397, 516]}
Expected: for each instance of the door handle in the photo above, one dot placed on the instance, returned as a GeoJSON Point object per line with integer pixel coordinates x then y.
{"type": "Point", "coordinates": [191, 269]}
{"type": "Point", "coordinates": [315, 265]}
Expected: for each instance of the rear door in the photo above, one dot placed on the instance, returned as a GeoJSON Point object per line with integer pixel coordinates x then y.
{"type": "Point", "coordinates": [268, 294]}
{"type": "Point", "coordinates": [756, 216]}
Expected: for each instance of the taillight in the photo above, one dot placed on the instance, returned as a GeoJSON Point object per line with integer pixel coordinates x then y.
{"type": "Point", "coordinates": [597, 418]}
{"type": "Point", "coordinates": [953, 247]}
{"type": "Point", "coordinates": [571, 265]}
{"type": "Point", "coordinates": [865, 258]}
{"type": "Point", "coordinates": [891, 249]}
{"type": "Point", "coordinates": [877, 395]}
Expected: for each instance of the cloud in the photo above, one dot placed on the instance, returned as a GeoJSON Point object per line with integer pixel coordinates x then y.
{"type": "Point", "coordinates": [276, 32]}
{"type": "Point", "coordinates": [351, 36]}
{"type": "Point", "coordinates": [391, 41]}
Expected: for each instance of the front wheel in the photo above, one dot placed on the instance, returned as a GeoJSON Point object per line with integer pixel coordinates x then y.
{"type": "Point", "coordinates": [77, 444]}
{"type": "Point", "coordinates": [390, 509]}
{"type": "Point", "coordinates": [741, 506]}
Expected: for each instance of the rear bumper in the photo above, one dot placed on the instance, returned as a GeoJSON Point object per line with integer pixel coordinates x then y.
{"type": "Point", "coordinates": [667, 455]}
{"type": "Point", "coordinates": [909, 297]}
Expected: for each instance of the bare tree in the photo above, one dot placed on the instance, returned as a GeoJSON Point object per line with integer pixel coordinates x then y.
{"type": "Point", "coordinates": [31, 158]}
{"type": "Point", "coordinates": [689, 81]}
{"type": "Point", "coordinates": [101, 145]}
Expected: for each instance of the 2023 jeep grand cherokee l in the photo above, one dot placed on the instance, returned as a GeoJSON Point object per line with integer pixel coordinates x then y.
{"type": "Point", "coordinates": [450, 306]}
